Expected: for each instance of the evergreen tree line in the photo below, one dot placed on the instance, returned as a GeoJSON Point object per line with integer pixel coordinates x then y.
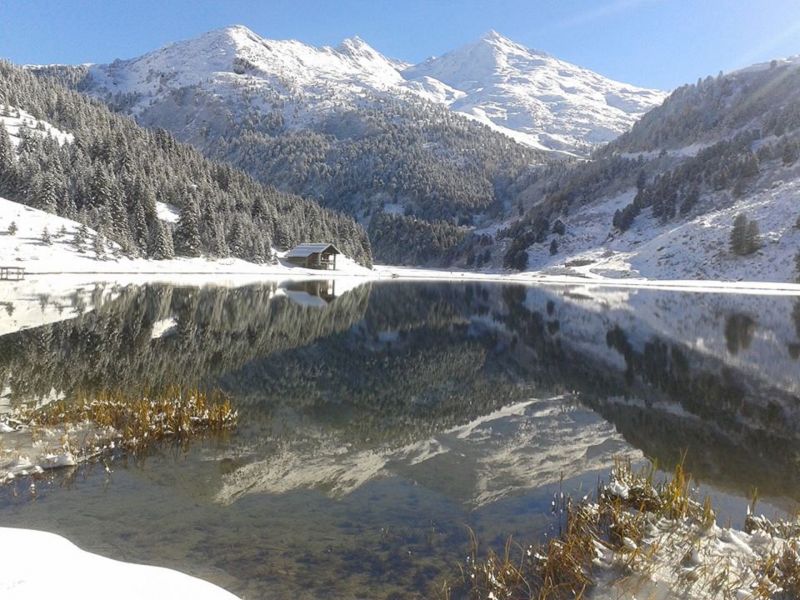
{"type": "Point", "coordinates": [437, 165]}
{"type": "Point", "coordinates": [113, 173]}
{"type": "Point", "coordinates": [727, 165]}
{"type": "Point", "coordinates": [409, 241]}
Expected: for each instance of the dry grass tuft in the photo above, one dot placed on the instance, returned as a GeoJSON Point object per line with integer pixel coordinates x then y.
{"type": "Point", "coordinates": [779, 574]}
{"type": "Point", "coordinates": [176, 414]}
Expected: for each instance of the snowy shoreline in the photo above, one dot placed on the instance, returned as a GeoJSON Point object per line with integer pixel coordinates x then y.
{"type": "Point", "coordinates": [211, 272]}
{"type": "Point", "coordinates": [538, 277]}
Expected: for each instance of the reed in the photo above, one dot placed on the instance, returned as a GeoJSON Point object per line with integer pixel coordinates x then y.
{"type": "Point", "coordinates": [564, 567]}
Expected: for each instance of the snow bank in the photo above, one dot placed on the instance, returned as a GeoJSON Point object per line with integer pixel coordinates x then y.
{"type": "Point", "coordinates": [36, 564]}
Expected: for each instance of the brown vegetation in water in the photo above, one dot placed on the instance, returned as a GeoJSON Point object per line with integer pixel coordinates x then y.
{"type": "Point", "coordinates": [177, 414]}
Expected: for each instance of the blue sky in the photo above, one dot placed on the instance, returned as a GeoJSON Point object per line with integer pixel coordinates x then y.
{"type": "Point", "coordinates": [657, 43]}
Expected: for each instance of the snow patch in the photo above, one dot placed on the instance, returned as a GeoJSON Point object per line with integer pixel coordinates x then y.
{"type": "Point", "coordinates": [37, 564]}
{"type": "Point", "coordinates": [167, 212]}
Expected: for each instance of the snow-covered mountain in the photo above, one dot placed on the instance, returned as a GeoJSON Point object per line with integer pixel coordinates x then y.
{"type": "Point", "coordinates": [296, 81]}
{"type": "Point", "coordinates": [531, 96]}
{"type": "Point", "coordinates": [544, 101]}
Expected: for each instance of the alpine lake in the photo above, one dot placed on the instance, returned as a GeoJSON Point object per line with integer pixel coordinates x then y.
{"type": "Point", "coordinates": [378, 426]}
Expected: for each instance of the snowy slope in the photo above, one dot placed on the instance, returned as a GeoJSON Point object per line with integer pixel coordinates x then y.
{"type": "Point", "coordinates": [697, 248]}
{"type": "Point", "coordinates": [660, 201]}
{"type": "Point", "coordinates": [26, 247]}
{"type": "Point", "coordinates": [16, 120]}
{"type": "Point", "coordinates": [553, 103]}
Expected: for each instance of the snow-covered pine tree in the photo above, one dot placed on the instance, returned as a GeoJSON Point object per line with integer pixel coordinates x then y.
{"type": "Point", "coordinates": [99, 245]}
{"type": "Point", "coordinates": [752, 237]}
{"type": "Point", "coordinates": [187, 234]}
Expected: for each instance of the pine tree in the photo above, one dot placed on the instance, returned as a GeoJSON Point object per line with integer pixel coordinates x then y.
{"type": "Point", "coordinates": [752, 237]}
{"type": "Point", "coordinates": [12, 228]}
{"type": "Point", "coordinates": [79, 239]}
{"type": "Point", "coordinates": [157, 248]}
{"type": "Point", "coordinates": [139, 226]}
{"type": "Point", "coordinates": [269, 255]}
{"type": "Point", "coordinates": [6, 158]}
{"type": "Point", "coordinates": [553, 247]}
{"type": "Point", "coordinates": [236, 243]}
{"type": "Point", "coordinates": [739, 234]}
{"type": "Point", "coordinates": [99, 245]}
{"type": "Point", "coordinates": [101, 189]}
{"type": "Point", "coordinates": [161, 242]}
{"type": "Point", "coordinates": [187, 234]}
{"type": "Point", "coordinates": [47, 196]}
{"type": "Point", "coordinates": [46, 238]}
{"type": "Point", "coordinates": [119, 215]}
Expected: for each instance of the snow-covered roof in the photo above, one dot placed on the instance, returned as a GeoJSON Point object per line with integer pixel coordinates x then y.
{"type": "Point", "coordinates": [304, 250]}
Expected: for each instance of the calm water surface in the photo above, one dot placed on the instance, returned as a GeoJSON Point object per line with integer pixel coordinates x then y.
{"type": "Point", "coordinates": [377, 424]}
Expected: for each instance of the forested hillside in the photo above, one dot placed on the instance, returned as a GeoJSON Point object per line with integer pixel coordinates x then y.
{"type": "Point", "coordinates": [111, 174]}
{"type": "Point", "coordinates": [722, 151]}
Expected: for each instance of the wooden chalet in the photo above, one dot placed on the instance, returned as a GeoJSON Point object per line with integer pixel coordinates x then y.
{"type": "Point", "coordinates": [314, 256]}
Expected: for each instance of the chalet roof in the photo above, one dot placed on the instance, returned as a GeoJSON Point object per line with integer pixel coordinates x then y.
{"type": "Point", "coordinates": [304, 250]}
{"type": "Point", "coordinates": [306, 299]}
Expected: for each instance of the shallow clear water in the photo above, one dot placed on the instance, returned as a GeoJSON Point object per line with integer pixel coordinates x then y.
{"type": "Point", "coordinates": [376, 426]}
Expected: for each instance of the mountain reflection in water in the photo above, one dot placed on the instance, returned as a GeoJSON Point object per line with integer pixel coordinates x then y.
{"type": "Point", "coordinates": [377, 421]}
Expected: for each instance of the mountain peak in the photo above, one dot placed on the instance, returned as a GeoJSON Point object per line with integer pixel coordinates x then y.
{"type": "Point", "coordinates": [504, 45]}
{"type": "Point", "coordinates": [213, 45]}
{"type": "Point", "coordinates": [356, 45]}
{"type": "Point", "coordinates": [556, 104]}
{"type": "Point", "coordinates": [237, 33]}
{"type": "Point", "coordinates": [493, 36]}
